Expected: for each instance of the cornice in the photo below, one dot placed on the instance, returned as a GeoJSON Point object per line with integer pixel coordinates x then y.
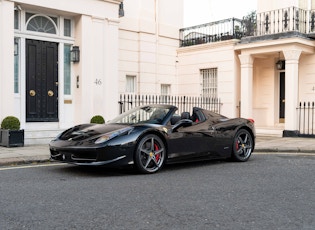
{"type": "Point", "coordinates": [285, 41]}
{"type": "Point", "coordinates": [112, 1]}
{"type": "Point", "coordinates": [206, 46]}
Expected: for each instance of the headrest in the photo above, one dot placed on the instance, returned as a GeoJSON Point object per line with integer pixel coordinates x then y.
{"type": "Point", "coordinates": [185, 115]}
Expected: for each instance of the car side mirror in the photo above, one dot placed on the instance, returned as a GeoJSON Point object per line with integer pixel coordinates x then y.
{"type": "Point", "coordinates": [182, 123]}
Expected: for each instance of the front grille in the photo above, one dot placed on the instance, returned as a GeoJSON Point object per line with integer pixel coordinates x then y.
{"type": "Point", "coordinates": [73, 156]}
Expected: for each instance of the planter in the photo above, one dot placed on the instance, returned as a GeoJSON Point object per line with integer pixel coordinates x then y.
{"type": "Point", "coordinates": [11, 138]}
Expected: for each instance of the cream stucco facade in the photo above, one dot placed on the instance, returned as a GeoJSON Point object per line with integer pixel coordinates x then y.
{"type": "Point", "coordinates": [148, 39]}
{"type": "Point", "coordinates": [220, 55]}
{"type": "Point", "coordinates": [249, 82]}
{"type": "Point", "coordinates": [93, 26]}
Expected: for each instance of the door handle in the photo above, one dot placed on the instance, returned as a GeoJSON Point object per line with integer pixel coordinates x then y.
{"type": "Point", "coordinates": [50, 93]}
{"type": "Point", "coordinates": [32, 93]}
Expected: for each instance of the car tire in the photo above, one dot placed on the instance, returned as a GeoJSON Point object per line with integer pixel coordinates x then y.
{"type": "Point", "coordinates": [150, 154]}
{"type": "Point", "coordinates": [243, 146]}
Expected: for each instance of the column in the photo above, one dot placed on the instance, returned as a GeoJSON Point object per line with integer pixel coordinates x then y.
{"type": "Point", "coordinates": [246, 85]}
{"type": "Point", "coordinates": [111, 60]}
{"type": "Point", "coordinates": [291, 90]}
{"type": "Point", "coordinates": [7, 107]}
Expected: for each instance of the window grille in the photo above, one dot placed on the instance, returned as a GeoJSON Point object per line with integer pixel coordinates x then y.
{"type": "Point", "coordinates": [209, 82]}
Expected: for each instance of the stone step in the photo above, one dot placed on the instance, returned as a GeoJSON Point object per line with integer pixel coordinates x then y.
{"type": "Point", "coordinates": [39, 137]}
{"type": "Point", "coordinates": [272, 132]}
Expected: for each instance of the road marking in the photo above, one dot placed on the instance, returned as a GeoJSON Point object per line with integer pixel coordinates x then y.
{"type": "Point", "coordinates": [284, 153]}
{"type": "Point", "coordinates": [30, 166]}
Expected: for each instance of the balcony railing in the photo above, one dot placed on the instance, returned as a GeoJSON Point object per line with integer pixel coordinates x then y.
{"type": "Point", "coordinates": [284, 20]}
{"type": "Point", "coordinates": [211, 32]}
{"type": "Point", "coordinates": [290, 19]}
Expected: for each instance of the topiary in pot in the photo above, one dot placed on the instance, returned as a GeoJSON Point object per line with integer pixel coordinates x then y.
{"type": "Point", "coordinates": [10, 133]}
{"type": "Point", "coordinates": [97, 119]}
{"type": "Point", "coordinates": [11, 123]}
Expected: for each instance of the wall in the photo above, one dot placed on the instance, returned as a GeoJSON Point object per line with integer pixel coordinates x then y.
{"type": "Point", "coordinates": [307, 78]}
{"type": "Point", "coordinates": [264, 6]}
{"type": "Point", "coordinates": [6, 60]}
{"type": "Point", "coordinates": [218, 55]}
{"type": "Point", "coordinates": [265, 91]}
{"type": "Point", "coordinates": [148, 39]}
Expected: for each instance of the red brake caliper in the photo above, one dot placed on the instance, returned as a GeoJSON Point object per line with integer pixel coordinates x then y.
{"type": "Point", "coordinates": [237, 146]}
{"type": "Point", "coordinates": [157, 156]}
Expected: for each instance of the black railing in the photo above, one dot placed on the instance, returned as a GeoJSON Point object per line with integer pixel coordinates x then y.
{"type": "Point", "coordinates": [211, 32]}
{"type": "Point", "coordinates": [183, 103]}
{"type": "Point", "coordinates": [306, 118]}
{"type": "Point", "coordinates": [286, 20]}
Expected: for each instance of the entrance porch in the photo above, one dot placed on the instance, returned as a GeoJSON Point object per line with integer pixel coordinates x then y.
{"type": "Point", "coordinates": [269, 93]}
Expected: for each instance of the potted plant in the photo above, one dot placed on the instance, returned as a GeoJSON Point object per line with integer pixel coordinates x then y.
{"type": "Point", "coordinates": [97, 119]}
{"type": "Point", "coordinates": [10, 133]}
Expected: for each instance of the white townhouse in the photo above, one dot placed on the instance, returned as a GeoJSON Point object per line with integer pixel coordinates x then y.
{"type": "Point", "coordinates": [62, 62]}
{"type": "Point", "coordinates": [58, 63]}
{"type": "Point", "coordinates": [261, 70]}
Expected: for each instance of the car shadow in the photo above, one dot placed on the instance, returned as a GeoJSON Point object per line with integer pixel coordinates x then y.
{"type": "Point", "coordinates": [92, 171]}
{"type": "Point", "coordinates": [192, 164]}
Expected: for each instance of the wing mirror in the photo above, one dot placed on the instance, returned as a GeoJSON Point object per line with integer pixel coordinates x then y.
{"type": "Point", "coordinates": [182, 123]}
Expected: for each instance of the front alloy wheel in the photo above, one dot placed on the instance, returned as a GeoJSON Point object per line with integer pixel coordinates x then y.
{"type": "Point", "coordinates": [242, 145]}
{"type": "Point", "coordinates": [150, 154]}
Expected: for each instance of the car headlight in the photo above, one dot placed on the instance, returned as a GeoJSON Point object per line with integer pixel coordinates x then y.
{"type": "Point", "coordinates": [113, 134]}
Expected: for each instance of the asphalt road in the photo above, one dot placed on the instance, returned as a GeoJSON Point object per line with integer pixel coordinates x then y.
{"type": "Point", "coordinates": [270, 191]}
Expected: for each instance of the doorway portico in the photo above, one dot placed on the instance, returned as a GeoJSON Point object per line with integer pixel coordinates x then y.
{"type": "Point", "coordinates": [268, 94]}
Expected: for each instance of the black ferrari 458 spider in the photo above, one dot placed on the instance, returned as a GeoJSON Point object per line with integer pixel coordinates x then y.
{"type": "Point", "coordinates": [152, 135]}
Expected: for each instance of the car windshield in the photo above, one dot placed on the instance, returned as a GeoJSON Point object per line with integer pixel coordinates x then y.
{"type": "Point", "coordinates": [146, 114]}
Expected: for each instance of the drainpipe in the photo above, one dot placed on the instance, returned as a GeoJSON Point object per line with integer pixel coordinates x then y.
{"type": "Point", "coordinates": [156, 45]}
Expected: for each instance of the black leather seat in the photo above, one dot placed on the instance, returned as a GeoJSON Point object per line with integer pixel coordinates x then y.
{"type": "Point", "coordinates": [185, 115]}
{"type": "Point", "coordinates": [175, 118]}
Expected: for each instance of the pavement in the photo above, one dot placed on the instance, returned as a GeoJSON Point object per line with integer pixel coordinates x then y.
{"type": "Point", "coordinates": [31, 154]}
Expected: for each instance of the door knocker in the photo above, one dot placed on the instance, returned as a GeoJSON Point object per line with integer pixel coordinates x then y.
{"type": "Point", "coordinates": [32, 93]}
{"type": "Point", "coordinates": [50, 93]}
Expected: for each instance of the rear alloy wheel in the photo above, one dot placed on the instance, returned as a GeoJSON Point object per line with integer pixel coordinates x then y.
{"type": "Point", "coordinates": [150, 154]}
{"type": "Point", "coordinates": [242, 146]}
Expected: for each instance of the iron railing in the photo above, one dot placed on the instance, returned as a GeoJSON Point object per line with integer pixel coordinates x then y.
{"type": "Point", "coordinates": [183, 103]}
{"type": "Point", "coordinates": [284, 20]}
{"type": "Point", "coordinates": [290, 19]}
{"type": "Point", "coordinates": [211, 32]}
{"type": "Point", "coordinates": [306, 119]}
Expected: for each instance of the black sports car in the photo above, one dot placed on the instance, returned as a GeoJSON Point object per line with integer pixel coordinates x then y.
{"type": "Point", "coordinates": [149, 136]}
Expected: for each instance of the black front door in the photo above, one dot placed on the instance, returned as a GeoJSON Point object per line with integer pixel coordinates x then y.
{"type": "Point", "coordinates": [41, 81]}
{"type": "Point", "coordinates": [282, 97]}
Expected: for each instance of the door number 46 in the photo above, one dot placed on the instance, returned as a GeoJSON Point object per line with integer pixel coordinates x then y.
{"type": "Point", "coordinates": [98, 81]}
